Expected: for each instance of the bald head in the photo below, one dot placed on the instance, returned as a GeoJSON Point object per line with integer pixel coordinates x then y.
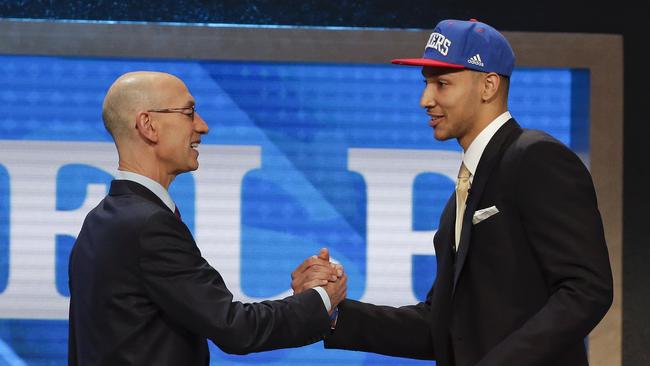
{"type": "Point", "coordinates": [132, 93]}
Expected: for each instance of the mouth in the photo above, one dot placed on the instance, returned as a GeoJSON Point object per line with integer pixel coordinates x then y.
{"type": "Point", "coordinates": [435, 119]}
{"type": "Point", "coordinates": [195, 145]}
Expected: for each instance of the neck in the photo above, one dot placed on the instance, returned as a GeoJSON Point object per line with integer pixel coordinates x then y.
{"type": "Point", "coordinates": [150, 171]}
{"type": "Point", "coordinates": [466, 140]}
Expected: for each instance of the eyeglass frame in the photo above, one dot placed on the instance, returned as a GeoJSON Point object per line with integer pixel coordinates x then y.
{"type": "Point", "coordinates": [180, 110]}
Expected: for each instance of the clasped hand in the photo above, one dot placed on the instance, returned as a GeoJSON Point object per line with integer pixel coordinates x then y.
{"type": "Point", "coordinates": [319, 271]}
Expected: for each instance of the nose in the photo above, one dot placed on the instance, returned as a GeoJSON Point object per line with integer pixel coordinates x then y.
{"type": "Point", "coordinates": [200, 126]}
{"type": "Point", "coordinates": [427, 99]}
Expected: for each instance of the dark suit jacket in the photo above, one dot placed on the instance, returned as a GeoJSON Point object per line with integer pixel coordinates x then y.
{"type": "Point", "coordinates": [527, 285]}
{"type": "Point", "coordinates": [141, 294]}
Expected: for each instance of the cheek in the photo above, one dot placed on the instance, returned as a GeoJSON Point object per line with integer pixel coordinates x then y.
{"type": "Point", "coordinates": [449, 99]}
{"type": "Point", "coordinates": [173, 149]}
{"type": "Point", "coordinates": [180, 139]}
{"type": "Point", "coordinates": [465, 104]}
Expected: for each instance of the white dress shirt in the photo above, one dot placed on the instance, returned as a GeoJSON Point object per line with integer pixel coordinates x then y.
{"type": "Point", "coordinates": [472, 156]}
{"type": "Point", "coordinates": [164, 196]}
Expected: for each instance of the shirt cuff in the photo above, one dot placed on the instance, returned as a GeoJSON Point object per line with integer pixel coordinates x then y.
{"type": "Point", "coordinates": [326, 298]}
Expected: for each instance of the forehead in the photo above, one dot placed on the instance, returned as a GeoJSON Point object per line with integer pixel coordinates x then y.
{"type": "Point", "coordinates": [174, 90]}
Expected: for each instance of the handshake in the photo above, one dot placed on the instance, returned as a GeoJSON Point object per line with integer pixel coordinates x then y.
{"type": "Point", "coordinates": [318, 271]}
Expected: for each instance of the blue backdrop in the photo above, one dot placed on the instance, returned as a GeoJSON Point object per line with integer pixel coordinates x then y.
{"type": "Point", "coordinates": [309, 122]}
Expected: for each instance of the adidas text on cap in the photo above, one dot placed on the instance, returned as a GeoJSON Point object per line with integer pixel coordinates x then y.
{"type": "Point", "coordinates": [463, 44]}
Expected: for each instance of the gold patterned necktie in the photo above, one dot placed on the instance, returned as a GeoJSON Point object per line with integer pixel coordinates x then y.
{"type": "Point", "coordinates": [462, 188]}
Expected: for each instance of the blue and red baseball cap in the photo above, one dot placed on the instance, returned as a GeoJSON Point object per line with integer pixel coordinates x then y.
{"type": "Point", "coordinates": [462, 44]}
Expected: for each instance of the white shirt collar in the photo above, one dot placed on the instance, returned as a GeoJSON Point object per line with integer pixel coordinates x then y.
{"type": "Point", "coordinates": [150, 184]}
{"type": "Point", "coordinates": [472, 156]}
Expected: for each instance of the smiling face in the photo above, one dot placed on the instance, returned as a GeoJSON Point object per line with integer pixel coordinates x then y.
{"type": "Point", "coordinates": [178, 133]}
{"type": "Point", "coordinates": [452, 98]}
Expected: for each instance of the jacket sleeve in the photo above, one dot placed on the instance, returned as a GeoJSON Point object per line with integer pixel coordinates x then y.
{"type": "Point", "coordinates": [193, 294]}
{"type": "Point", "coordinates": [558, 208]}
{"type": "Point", "coordinates": [401, 332]}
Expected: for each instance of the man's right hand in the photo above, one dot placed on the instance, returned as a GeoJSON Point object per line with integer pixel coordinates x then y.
{"type": "Point", "coordinates": [337, 291]}
{"type": "Point", "coordinates": [315, 271]}
{"type": "Point", "coordinates": [319, 271]}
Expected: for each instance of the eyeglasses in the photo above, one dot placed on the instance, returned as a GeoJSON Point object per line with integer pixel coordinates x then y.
{"type": "Point", "coordinates": [188, 111]}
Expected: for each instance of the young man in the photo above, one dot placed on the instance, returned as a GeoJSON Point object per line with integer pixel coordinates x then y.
{"type": "Point", "coordinates": [141, 294]}
{"type": "Point", "coordinates": [523, 272]}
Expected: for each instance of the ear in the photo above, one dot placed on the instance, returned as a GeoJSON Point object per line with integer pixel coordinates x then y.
{"type": "Point", "coordinates": [490, 87]}
{"type": "Point", "coordinates": [146, 127]}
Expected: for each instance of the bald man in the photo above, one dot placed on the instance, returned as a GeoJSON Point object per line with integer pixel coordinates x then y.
{"type": "Point", "coordinates": [141, 293]}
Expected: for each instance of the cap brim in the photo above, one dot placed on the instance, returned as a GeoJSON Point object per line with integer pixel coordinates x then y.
{"type": "Point", "coordinates": [425, 62]}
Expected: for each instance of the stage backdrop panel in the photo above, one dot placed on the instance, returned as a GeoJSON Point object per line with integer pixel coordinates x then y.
{"type": "Point", "coordinates": [299, 156]}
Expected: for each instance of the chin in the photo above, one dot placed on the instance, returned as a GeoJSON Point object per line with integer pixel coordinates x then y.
{"type": "Point", "coordinates": [188, 168]}
{"type": "Point", "coordinates": [440, 135]}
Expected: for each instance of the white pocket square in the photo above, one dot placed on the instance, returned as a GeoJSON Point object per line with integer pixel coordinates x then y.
{"type": "Point", "coordinates": [480, 215]}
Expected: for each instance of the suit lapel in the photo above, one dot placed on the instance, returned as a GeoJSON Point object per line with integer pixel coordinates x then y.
{"type": "Point", "coordinates": [491, 155]}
